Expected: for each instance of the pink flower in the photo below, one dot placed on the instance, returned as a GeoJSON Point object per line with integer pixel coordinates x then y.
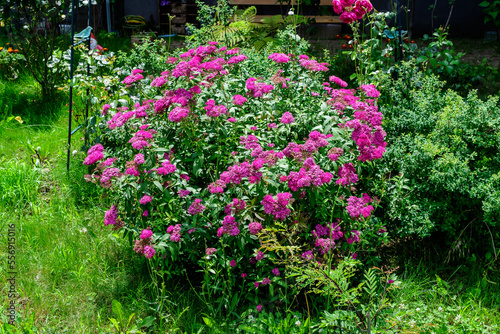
{"type": "Point", "coordinates": [370, 90]}
{"type": "Point", "coordinates": [259, 308]}
{"type": "Point", "coordinates": [259, 256]}
{"type": "Point", "coordinates": [279, 57]}
{"type": "Point", "coordinates": [243, 275]}
{"type": "Point", "coordinates": [277, 207]}
{"type": "Point", "coordinates": [232, 263]}
{"type": "Point", "coordinates": [183, 193]}
{"type": "Point", "coordinates": [338, 81]}
{"type": "Point", "coordinates": [132, 171]}
{"type": "Point", "coordinates": [239, 100]}
{"type": "Point", "coordinates": [149, 252]}
{"type": "Point", "coordinates": [145, 213]}
{"type": "Point", "coordinates": [145, 234]}
{"type": "Point", "coordinates": [139, 158]}
{"type": "Point", "coordinates": [287, 118]}
{"type": "Point", "coordinates": [347, 175]}
{"type": "Point", "coordinates": [272, 125]}
{"type": "Point", "coordinates": [308, 255]}
{"type": "Point", "coordinates": [266, 281]}
{"type": "Point", "coordinates": [276, 272]}
{"type": "Point", "coordinates": [105, 109]}
{"type": "Point", "coordinates": [196, 207]}
{"type": "Point", "coordinates": [145, 199]}
{"type": "Point", "coordinates": [210, 251]}
{"type": "Point", "coordinates": [358, 206]}
{"type": "Point", "coordinates": [254, 228]}
{"type": "Point", "coordinates": [232, 120]}
{"type": "Point", "coordinates": [177, 114]}
{"type": "Point", "coordinates": [110, 216]}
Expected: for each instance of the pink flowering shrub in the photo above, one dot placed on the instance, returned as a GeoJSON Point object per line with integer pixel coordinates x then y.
{"type": "Point", "coordinates": [204, 159]}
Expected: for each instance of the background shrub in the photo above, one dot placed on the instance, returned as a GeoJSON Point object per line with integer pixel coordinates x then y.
{"type": "Point", "coordinates": [447, 149]}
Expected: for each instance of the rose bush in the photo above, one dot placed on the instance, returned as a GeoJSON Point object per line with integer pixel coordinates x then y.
{"type": "Point", "coordinates": [226, 149]}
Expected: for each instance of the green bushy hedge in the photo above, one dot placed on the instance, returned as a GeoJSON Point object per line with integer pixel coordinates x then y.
{"type": "Point", "coordinates": [446, 149]}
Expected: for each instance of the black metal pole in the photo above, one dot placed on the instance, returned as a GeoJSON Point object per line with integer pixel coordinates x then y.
{"type": "Point", "coordinates": [400, 36]}
{"type": "Point", "coordinates": [88, 74]}
{"type": "Point", "coordinates": [71, 81]}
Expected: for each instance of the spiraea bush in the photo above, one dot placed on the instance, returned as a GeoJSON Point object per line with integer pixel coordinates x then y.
{"type": "Point", "coordinates": [236, 163]}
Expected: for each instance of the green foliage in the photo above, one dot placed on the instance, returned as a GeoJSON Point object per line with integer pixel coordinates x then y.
{"type": "Point", "coordinates": [19, 184]}
{"type": "Point", "coordinates": [232, 27]}
{"type": "Point", "coordinates": [33, 25]}
{"type": "Point", "coordinates": [357, 307]}
{"type": "Point", "coordinates": [150, 56]}
{"type": "Point", "coordinates": [447, 147]}
{"type": "Point", "coordinates": [492, 11]}
{"type": "Point", "coordinates": [10, 63]}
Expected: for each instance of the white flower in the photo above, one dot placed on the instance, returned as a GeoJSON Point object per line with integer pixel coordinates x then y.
{"type": "Point", "coordinates": [74, 152]}
{"type": "Point", "coordinates": [412, 323]}
{"type": "Point", "coordinates": [297, 323]}
{"type": "Point", "coordinates": [417, 309]}
{"type": "Point", "coordinates": [290, 12]}
{"type": "Point", "coordinates": [401, 306]}
{"type": "Point", "coordinates": [440, 309]}
{"type": "Point", "coordinates": [458, 318]}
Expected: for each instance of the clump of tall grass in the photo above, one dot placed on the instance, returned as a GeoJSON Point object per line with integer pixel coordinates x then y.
{"type": "Point", "coordinates": [19, 183]}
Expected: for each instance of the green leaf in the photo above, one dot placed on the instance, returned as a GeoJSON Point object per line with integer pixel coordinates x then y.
{"type": "Point", "coordinates": [146, 322]}
{"type": "Point", "coordinates": [421, 59]}
{"type": "Point", "coordinates": [208, 322]}
{"type": "Point", "coordinates": [158, 185]}
{"type": "Point", "coordinates": [117, 309]}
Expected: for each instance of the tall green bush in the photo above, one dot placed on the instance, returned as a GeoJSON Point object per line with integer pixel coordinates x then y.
{"type": "Point", "coordinates": [447, 149]}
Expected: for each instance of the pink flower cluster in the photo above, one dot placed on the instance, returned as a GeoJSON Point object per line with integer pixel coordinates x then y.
{"type": "Point", "coordinates": [359, 206]}
{"type": "Point", "coordinates": [110, 216]}
{"type": "Point", "coordinates": [309, 175]}
{"type": "Point", "coordinates": [287, 118]}
{"type": "Point", "coordinates": [141, 139]}
{"type": "Point", "coordinates": [196, 207]}
{"type": "Point", "coordinates": [144, 244]}
{"type": "Point", "coordinates": [235, 207]}
{"type": "Point", "coordinates": [313, 65]}
{"type": "Point", "coordinates": [107, 175]}
{"type": "Point", "coordinates": [214, 110]}
{"type": "Point", "coordinates": [134, 77]}
{"type": "Point", "coordinates": [237, 172]}
{"type": "Point", "coordinates": [166, 168]}
{"type": "Point", "coordinates": [257, 89]}
{"type": "Point", "coordinates": [278, 79]}
{"type": "Point", "coordinates": [338, 81]}
{"type": "Point", "coordinates": [229, 226]}
{"type": "Point", "coordinates": [178, 114]}
{"type": "Point", "coordinates": [351, 10]}
{"type": "Point", "coordinates": [239, 100]}
{"type": "Point", "coordinates": [254, 228]}
{"type": "Point", "coordinates": [347, 175]}
{"type": "Point", "coordinates": [279, 57]}
{"type": "Point", "coordinates": [300, 152]}
{"type": "Point", "coordinates": [175, 232]}
{"type": "Point", "coordinates": [277, 207]}
{"type": "Point", "coordinates": [332, 233]}
{"type": "Point", "coordinates": [94, 154]}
